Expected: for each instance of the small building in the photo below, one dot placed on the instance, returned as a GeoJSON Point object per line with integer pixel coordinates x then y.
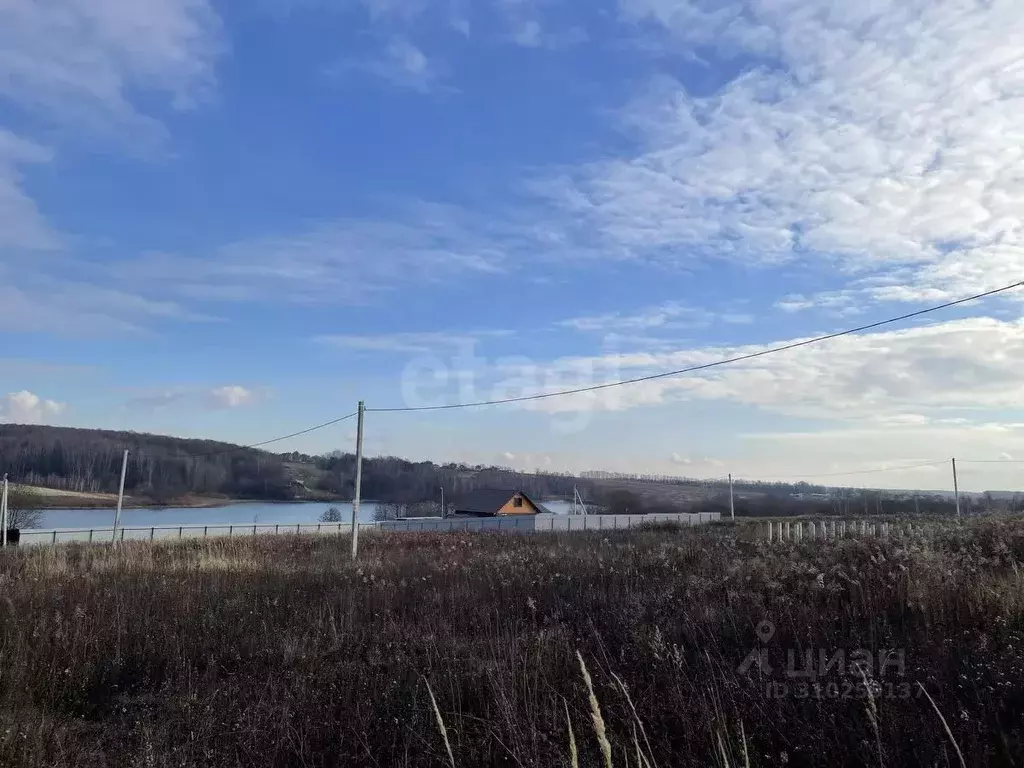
{"type": "Point", "coordinates": [492, 503]}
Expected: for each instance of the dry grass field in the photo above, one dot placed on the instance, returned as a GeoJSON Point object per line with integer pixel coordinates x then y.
{"type": "Point", "coordinates": [466, 650]}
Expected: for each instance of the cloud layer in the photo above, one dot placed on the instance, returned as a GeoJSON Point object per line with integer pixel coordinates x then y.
{"type": "Point", "coordinates": [28, 408]}
{"type": "Point", "coordinates": [86, 74]}
{"type": "Point", "coordinates": [883, 139]}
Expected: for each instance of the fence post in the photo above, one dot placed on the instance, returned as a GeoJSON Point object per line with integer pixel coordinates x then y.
{"type": "Point", "coordinates": [54, 540]}
{"type": "Point", "coordinates": [152, 532]}
{"type": "Point", "coordinates": [179, 531]}
{"type": "Point", "coordinates": [231, 530]}
{"type": "Point", "coordinates": [90, 535]}
{"type": "Point", "coordinates": [277, 528]}
{"type": "Point", "coordinates": [204, 531]}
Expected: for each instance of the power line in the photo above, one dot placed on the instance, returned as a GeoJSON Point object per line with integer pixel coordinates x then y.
{"type": "Point", "coordinates": [637, 380]}
{"type": "Point", "coordinates": [703, 366]}
{"type": "Point", "coordinates": [330, 423]}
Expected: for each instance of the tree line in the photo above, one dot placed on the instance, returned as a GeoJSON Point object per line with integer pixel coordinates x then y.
{"type": "Point", "coordinates": [166, 468]}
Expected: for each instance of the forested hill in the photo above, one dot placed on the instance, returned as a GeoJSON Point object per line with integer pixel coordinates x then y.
{"type": "Point", "coordinates": [166, 468]}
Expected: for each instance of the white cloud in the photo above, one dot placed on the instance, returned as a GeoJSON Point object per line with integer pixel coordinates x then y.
{"type": "Point", "coordinates": [82, 61]}
{"type": "Point", "coordinates": [935, 372]}
{"type": "Point", "coordinates": [835, 302]}
{"type": "Point", "coordinates": [528, 34]}
{"type": "Point", "coordinates": [79, 310]}
{"type": "Point", "coordinates": [881, 137]}
{"type": "Point", "coordinates": [411, 343]}
{"type": "Point", "coordinates": [233, 396]}
{"type": "Point", "coordinates": [27, 408]}
{"type": "Point", "coordinates": [213, 398]}
{"type": "Point", "coordinates": [22, 226]}
{"type": "Point", "coordinates": [84, 67]}
{"type": "Point", "coordinates": [667, 316]}
{"type": "Point", "coordinates": [402, 64]}
{"type": "Point", "coordinates": [349, 261]}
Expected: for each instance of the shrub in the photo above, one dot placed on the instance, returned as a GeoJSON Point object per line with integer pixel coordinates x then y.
{"type": "Point", "coordinates": [331, 515]}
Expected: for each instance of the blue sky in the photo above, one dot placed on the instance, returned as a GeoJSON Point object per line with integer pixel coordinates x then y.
{"type": "Point", "coordinates": [235, 220]}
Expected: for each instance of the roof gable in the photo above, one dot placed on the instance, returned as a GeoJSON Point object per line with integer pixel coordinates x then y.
{"type": "Point", "coordinates": [488, 501]}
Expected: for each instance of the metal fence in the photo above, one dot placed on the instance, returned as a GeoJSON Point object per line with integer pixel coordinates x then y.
{"type": "Point", "coordinates": [547, 523]}
{"type": "Point", "coordinates": [525, 524]}
{"type": "Point", "coordinates": [165, 532]}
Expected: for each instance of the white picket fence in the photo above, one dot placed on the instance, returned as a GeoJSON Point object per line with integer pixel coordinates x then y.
{"type": "Point", "coordinates": [799, 530]}
{"type": "Point", "coordinates": [525, 524]}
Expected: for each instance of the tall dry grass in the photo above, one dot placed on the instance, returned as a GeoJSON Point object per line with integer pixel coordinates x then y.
{"type": "Point", "coordinates": [278, 651]}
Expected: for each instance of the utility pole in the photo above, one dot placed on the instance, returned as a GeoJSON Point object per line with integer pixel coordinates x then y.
{"type": "Point", "coordinates": [3, 510]}
{"type": "Point", "coordinates": [359, 481]}
{"type": "Point", "coordinates": [956, 490]}
{"type": "Point", "coordinates": [120, 494]}
{"type": "Point", "coordinates": [732, 507]}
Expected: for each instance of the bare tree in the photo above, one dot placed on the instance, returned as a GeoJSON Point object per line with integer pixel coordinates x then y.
{"type": "Point", "coordinates": [331, 515]}
{"type": "Point", "coordinates": [389, 510]}
{"type": "Point", "coordinates": [24, 508]}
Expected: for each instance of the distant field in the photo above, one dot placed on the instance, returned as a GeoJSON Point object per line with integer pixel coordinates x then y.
{"type": "Point", "coordinates": [55, 498]}
{"type": "Point", "coordinates": [700, 650]}
{"type": "Point", "coordinates": [653, 492]}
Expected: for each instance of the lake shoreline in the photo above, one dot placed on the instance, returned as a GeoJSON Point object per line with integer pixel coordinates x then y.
{"type": "Point", "coordinates": [242, 513]}
{"type": "Point", "coordinates": [200, 502]}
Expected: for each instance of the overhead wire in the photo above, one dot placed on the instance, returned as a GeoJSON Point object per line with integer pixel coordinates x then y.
{"type": "Point", "coordinates": [703, 366]}
{"type": "Point", "coordinates": [638, 379]}
{"type": "Point", "coordinates": [253, 446]}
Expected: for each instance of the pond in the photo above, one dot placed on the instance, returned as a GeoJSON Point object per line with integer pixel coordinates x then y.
{"type": "Point", "coordinates": [255, 512]}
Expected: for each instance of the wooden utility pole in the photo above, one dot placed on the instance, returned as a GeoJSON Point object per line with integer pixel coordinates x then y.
{"type": "Point", "coordinates": [732, 506]}
{"type": "Point", "coordinates": [359, 481]}
{"type": "Point", "coordinates": [120, 494]}
{"type": "Point", "coordinates": [3, 510]}
{"type": "Point", "coordinates": [956, 490]}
